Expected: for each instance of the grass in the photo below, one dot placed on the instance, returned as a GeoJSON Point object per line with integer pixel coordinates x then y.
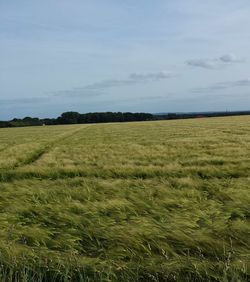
{"type": "Point", "coordinates": [149, 201]}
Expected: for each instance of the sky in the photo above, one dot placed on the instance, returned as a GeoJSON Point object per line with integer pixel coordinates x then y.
{"type": "Point", "coordinates": [123, 55]}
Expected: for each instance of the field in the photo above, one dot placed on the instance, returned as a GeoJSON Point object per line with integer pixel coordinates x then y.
{"type": "Point", "coordinates": [146, 201]}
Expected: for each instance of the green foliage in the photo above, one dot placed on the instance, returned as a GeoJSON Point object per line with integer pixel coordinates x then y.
{"type": "Point", "coordinates": [153, 201]}
{"type": "Point", "coordinates": [77, 118]}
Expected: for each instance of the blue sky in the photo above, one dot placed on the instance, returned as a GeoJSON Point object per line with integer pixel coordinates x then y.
{"type": "Point", "coordinates": [123, 55]}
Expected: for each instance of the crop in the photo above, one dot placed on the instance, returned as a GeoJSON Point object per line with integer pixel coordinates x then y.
{"type": "Point", "coordinates": [145, 201]}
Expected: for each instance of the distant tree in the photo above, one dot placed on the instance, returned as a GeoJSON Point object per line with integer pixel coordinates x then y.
{"type": "Point", "coordinates": [4, 124]}
{"type": "Point", "coordinates": [69, 118]}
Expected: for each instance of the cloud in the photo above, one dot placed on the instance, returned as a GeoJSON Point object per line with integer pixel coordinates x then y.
{"type": "Point", "coordinates": [216, 63]}
{"type": "Point", "coordinates": [230, 58]}
{"type": "Point", "coordinates": [31, 100]}
{"type": "Point", "coordinates": [95, 89]}
{"type": "Point", "coordinates": [150, 76]}
{"type": "Point", "coordinates": [207, 64]}
{"type": "Point", "coordinates": [222, 86]}
{"type": "Point", "coordinates": [108, 84]}
{"type": "Point", "coordinates": [77, 92]}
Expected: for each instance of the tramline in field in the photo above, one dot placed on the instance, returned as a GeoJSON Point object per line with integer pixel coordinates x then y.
{"type": "Point", "coordinates": [149, 201]}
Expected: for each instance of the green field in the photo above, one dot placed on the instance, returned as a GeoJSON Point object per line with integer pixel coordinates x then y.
{"type": "Point", "coordinates": [146, 201]}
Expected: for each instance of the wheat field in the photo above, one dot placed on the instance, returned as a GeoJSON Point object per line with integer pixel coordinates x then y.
{"type": "Point", "coordinates": [145, 201]}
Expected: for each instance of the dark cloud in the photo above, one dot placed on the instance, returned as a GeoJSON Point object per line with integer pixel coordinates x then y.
{"type": "Point", "coordinates": [21, 101]}
{"type": "Point", "coordinates": [95, 89]}
{"type": "Point", "coordinates": [222, 86]}
{"type": "Point", "coordinates": [150, 76]}
{"type": "Point", "coordinates": [216, 63]}
{"type": "Point", "coordinates": [78, 92]}
{"type": "Point", "coordinates": [203, 63]}
{"type": "Point", "coordinates": [108, 84]}
{"type": "Point", "coordinates": [230, 58]}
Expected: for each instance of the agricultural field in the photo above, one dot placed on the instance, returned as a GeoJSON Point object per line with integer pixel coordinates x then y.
{"type": "Point", "coordinates": [145, 201]}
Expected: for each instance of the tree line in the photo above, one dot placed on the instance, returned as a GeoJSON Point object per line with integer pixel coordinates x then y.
{"type": "Point", "coordinates": [77, 118]}
{"type": "Point", "coordinates": [102, 117]}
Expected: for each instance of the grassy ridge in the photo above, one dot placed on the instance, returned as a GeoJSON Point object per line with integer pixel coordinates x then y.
{"type": "Point", "coordinates": [151, 201]}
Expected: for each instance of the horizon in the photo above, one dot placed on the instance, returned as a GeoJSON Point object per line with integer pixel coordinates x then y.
{"type": "Point", "coordinates": [186, 56]}
{"type": "Point", "coordinates": [152, 113]}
